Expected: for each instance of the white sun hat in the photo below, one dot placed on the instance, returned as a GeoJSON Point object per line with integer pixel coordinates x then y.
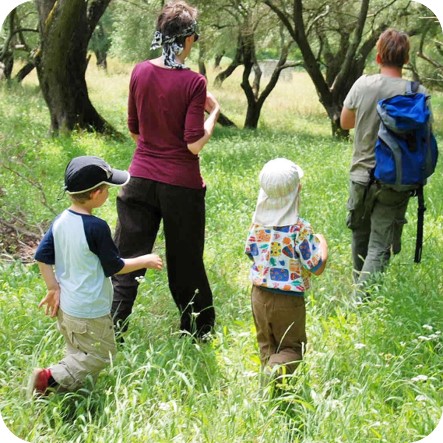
{"type": "Point", "coordinates": [278, 199]}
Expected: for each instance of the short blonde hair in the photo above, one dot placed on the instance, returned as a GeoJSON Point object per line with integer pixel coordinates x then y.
{"type": "Point", "coordinates": [83, 197]}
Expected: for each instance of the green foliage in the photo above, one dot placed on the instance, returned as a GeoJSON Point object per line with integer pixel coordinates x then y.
{"type": "Point", "coordinates": [23, 42]}
{"type": "Point", "coordinates": [134, 26]}
{"type": "Point", "coordinates": [372, 372]}
{"type": "Point", "coordinates": [101, 37]}
{"type": "Point", "coordinates": [427, 54]}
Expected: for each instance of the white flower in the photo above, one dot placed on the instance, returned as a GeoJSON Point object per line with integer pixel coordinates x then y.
{"type": "Point", "coordinates": [164, 406]}
{"type": "Point", "coordinates": [140, 279]}
{"type": "Point", "coordinates": [428, 327]}
{"type": "Point", "coordinates": [359, 345]}
{"type": "Point", "coordinates": [421, 398]}
{"type": "Point", "coordinates": [423, 338]}
{"type": "Point", "coordinates": [420, 377]}
{"type": "Point", "coordinates": [336, 404]}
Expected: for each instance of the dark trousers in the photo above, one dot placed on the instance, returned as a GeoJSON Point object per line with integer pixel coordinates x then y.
{"type": "Point", "coordinates": [141, 205]}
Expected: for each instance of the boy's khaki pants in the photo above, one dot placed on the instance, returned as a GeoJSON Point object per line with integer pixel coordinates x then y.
{"type": "Point", "coordinates": [280, 323]}
{"type": "Point", "coordinates": [90, 343]}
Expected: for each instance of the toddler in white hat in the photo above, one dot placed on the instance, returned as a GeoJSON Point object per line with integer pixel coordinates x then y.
{"type": "Point", "coordinates": [284, 251]}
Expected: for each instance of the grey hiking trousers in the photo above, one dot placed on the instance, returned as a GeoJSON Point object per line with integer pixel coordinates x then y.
{"type": "Point", "coordinates": [376, 218]}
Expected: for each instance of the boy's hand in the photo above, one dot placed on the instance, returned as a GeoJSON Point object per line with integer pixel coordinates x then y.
{"type": "Point", "coordinates": [52, 301]}
{"type": "Point", "coordinates": [153, 261]}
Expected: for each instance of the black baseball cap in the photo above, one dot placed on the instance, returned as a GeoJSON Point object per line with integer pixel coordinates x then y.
{"type": "Point", "coordinates": [87, 172]}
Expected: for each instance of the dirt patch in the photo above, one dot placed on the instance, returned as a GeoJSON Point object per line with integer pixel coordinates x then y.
{"type": "Point", "coordinates": [17, 245]}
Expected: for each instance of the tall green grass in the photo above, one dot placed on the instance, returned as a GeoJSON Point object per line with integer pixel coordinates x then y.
{"type": "Point", "coordinates": [372, 372]}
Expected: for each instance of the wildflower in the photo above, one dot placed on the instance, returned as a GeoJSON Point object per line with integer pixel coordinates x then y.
{"type": "Point", "coordinates": [164, 406]}
{"type": "Point", "coordinates": [140, 279]}
{"type": "Point", "coordinates": [423, 338]}
{"type": "Point", "coordinates": [434, 337]}
{"type": "Point", "coordinates": [428, 327]}
{"type": "Point", "coordinates": [359, 345]}
{"type": "Point", "coordinates": [420, 377]}
{"type": "Point", "coordinates": [421, 398]}
{"type": "Point", "coordinates": [336, 404]}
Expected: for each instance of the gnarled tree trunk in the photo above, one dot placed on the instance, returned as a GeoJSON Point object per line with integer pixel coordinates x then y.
{"type": "Point", "coordinates": [65, 28]}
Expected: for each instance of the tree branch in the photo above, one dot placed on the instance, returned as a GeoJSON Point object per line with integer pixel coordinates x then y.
{"type": "Point", "coordinates": [352, 48]}
{"type": "Point", "coordinates": [434, 63]}
{"type": "Point", "coordinates": [37, 185]}
{"type": "Point", "coordinates": [283, 16]}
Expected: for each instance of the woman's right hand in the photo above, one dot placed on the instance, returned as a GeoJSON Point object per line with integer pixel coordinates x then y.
{"type": "Point", "coordinates": [212, 107]}
{"type": "Point", "coordinates": [211, 103]}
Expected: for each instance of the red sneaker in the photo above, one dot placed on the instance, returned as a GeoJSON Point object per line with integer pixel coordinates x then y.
{"type": "Point", "coordinates": [39, 382]}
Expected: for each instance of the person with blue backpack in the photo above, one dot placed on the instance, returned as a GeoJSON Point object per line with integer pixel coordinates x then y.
{"type": "Point", "coordinates": [382, 179]}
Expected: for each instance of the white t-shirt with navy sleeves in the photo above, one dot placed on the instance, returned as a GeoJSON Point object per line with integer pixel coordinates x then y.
{"type": "Point", "coordinates": [81, 248]}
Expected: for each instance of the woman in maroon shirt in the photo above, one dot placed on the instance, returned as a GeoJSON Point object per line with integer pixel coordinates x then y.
{"type": "Point", "coordinates": [166, 118]}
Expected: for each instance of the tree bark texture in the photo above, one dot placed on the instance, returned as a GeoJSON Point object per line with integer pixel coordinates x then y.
{"type": "Point", "coordinates": [201, 59]}
{"type": "Point", "coordinates": [24, 71]}
{"type": "Point", "coordinates": [255, 98]}
{"type": "Point", "coordinates": [65, 28]}
{"type": "Point", "coordinates": [218, 59]}
{"type": "Point", "coordinates": [6, 55]}
{"type": "Point", "coordinates": [236, 62]}
{"type": "Point", "coordinates": [225, 121]}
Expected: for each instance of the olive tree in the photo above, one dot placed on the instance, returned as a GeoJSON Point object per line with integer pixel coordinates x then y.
{"type": "Point", "coordinates": [336, 39]}
{"type": "Point", "coordinates": [65, 28]}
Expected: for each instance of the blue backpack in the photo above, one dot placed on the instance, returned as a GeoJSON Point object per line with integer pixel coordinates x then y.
{"type": "Point", "coordinates": [406, 150]}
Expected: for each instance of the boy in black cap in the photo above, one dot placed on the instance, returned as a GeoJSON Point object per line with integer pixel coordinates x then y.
{"type": "Point", "coordinates": [76, 258]}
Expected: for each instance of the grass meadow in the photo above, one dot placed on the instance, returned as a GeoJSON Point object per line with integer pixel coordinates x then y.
{"type": "Point", "coordinates": [372, 372]}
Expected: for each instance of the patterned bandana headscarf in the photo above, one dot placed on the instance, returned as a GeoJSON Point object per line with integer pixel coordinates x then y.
{"type": "Point", "coordinates": [170, 46]}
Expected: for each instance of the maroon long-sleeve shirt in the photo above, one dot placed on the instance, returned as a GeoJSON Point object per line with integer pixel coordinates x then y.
{"type": "Point", "coordinates": [166, 109]}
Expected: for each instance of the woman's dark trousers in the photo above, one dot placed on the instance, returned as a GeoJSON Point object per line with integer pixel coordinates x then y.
{"type": "Point", "coordinates": [141, 205]}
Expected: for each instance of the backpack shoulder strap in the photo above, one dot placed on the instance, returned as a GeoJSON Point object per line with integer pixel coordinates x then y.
{"type": "Point", "coordinates": [420, 220]}
{"type": "Point", "coordinates": [412, 87]}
